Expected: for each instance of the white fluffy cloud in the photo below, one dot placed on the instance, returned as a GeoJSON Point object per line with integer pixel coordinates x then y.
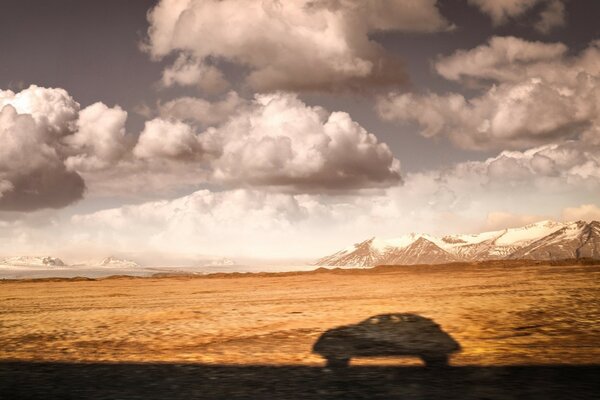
{"type": "Point", "coordinates": [551, 167]}
{"type": "Point", "coordinates": [538, 96]}
{"type": "Point", "coordinates": [52, 149]}
{"type": "Point", "coordinates": [47, 141]}
{"type": "Point", "coordinates": [187, 71]}
{"type": "Point", "coordinates": [99, 140]}
{"type": "Point", "coordinates": [292, 45]}
{"type": "Point", "coordinates": [275, 141]}
{"type": "Point", "coordinates": [168, 139]}
{"type": "Point", "coordinates": [510, 59]}
{"type": "Point", "coordinates": [280, 141]}
{"type": "Point", "coordinates": [51, 108]}
{"type": "Point", "coordinates": [32, 173]}
{"type": "Point", "coordinates": [551, 16]}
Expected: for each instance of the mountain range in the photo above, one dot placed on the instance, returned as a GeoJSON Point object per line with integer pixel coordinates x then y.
{"type": "Point", "coordinates": [55, 262]}
{"type": "Point", "coordinates": [545, 240]}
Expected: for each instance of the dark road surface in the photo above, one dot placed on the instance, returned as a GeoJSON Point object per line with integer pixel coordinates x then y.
{"type": "Point", "coordinates": [23, 380]}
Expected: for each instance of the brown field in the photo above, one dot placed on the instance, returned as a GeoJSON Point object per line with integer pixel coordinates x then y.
{"type": "Point", "coordinates": [501, 314]}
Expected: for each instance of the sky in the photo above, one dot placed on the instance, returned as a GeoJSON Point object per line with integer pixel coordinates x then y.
{"type": "Point", "coordinates": [176, 131]}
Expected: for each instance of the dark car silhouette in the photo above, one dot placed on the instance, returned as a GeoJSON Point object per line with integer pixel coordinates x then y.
{"type": "Point", "coordinates": [387, 335]}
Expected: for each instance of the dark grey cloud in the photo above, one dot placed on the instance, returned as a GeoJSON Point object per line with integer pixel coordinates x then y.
{"type": "Point", "coordinates": [45, 187]}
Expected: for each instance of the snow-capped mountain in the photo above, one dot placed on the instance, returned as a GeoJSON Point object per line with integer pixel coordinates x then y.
{"type": "Point", "coordinates": [32, 261]}
{"type": "Point", "coordinates": [364, 254]}
{"type": "Point", "coordinates": [542, 240]}
{"type": "Point", "coordinates": [422, 249]}
{"type": "Point", "coordinates": [114, 262]}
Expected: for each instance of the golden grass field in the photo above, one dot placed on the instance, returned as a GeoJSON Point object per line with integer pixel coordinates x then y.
{"type": "Point", "coordinates": [501, 314]}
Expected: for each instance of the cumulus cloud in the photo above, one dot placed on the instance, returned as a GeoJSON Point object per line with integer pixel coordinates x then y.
{"type": "Point", "coordinates": [201, 111]}
{"type": "Point", "coordinates": [513, 116]}
{"type": "Point", "coordinates": [299, 45]}
{"type": "Point", "coordinates": [47, 141]}
{"type": "Point", "coordinates": [510, 59]}
{"type": "Point", "coordinates": [52, 149]}
{"type": "Point", "coordinates": [507, 59]}
{"type": "Point", "coordinates": [280, 141]}
{"type": "Point", "coordinates": [32, 173]}
{"type": "Point", "coordinates": [52, 108]}
{"type": "Point", "coordinates": [186, 71]}
{"type": "Point", "coordinates": [274, 141]}
{"type": "Point", "coordinates": [169, 139]}
{"type": "Point", "coordinates": [555, 166]}
{"type": "Point", "coordinates": [538, 95]}
{"type": "Point", "coordinates": [585, 212]}
{"type": "Point", "coordinates": [100, 138]}
{"type": "Point", "coordinates": [552, 14]}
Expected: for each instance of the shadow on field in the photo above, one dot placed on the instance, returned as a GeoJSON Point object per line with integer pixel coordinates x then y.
{"type": "Point", "coordinates": [386, 335]}
{"type": "Point", "coordinates": [23, 380]}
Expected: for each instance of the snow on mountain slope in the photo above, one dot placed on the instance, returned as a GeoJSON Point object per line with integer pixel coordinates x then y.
{"type": "Point", "coordinates": [528, 233]}
{"type": "Point", "coordinates": [32, 261]}
{"type": "Point", "coordinates": [421, 251]}
{"type": "Point", "coordinates": [362, 254]}
{"type": "Point", "coordinates": [575, 240]}
{"type": "Point", "coordinates": [418, 248]}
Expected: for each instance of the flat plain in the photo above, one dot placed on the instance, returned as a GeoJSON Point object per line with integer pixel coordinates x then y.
{"type": "Point", "coordinates": [500, 313]}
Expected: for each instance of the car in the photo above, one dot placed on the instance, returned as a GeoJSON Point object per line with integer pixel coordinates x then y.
{"type": "Point", "coordinates": [388, 335]}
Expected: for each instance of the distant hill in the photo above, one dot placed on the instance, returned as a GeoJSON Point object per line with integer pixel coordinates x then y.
{"type": "Point", "coordinates": [115, 262]}
{"type": "Point", "coordinates": [32, 261]}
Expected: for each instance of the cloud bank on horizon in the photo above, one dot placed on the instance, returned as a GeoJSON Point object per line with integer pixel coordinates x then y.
{"type": "Point", "coordinates": [244, 165]}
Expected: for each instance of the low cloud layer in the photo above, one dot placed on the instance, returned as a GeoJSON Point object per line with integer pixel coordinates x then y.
{"type": "Point", "coordinates": [532, 93]}
{"type": "Point", "coordinates": [502, 191]}
{"type": "Point", "coordinates": [585, 212]}
{"type": "Point", "coordinates": [292, 45]}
